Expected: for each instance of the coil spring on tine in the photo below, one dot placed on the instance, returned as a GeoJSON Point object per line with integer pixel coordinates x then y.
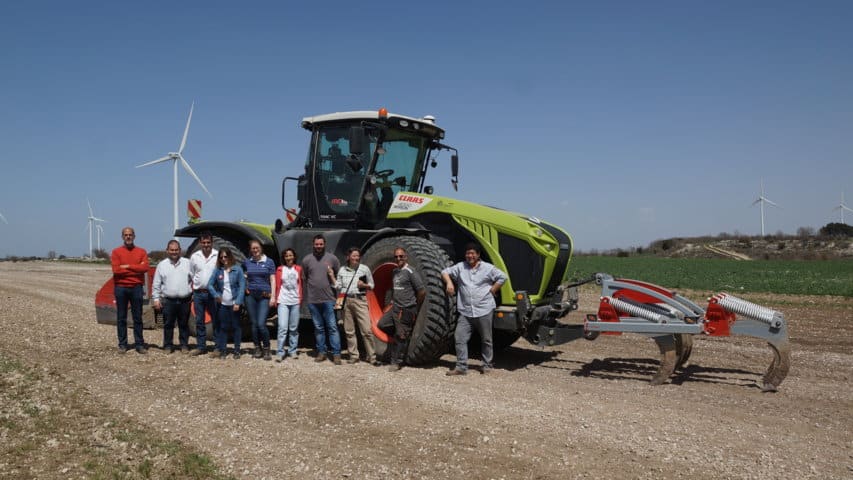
{"type": "Point", "coordinates": [634, 310]}
{"type": "Point", "coordinates": [749, 309]}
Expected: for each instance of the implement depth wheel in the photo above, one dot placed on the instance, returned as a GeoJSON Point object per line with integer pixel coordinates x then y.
{"type": "Point", "coordinates": [436, 321]}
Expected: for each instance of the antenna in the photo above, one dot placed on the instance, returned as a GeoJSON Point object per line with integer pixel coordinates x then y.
{"type": "Point", "coordinates": [176, 157]}
{"type": "Point", "coordinates": [762, 200]}
{"type": "Point", "coordinates": [841, 206]}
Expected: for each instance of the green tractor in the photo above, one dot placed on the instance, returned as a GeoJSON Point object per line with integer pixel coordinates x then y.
{"type": "Point", "coordinates": [365, 185]}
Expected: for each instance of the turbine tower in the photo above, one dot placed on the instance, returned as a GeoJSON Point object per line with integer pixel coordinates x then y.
{"type": "Point", "coordinates": [762, 200]}
{"type": "Point", "coordinates": [841, 206]}
{"type": "Point", "coordinates": [92, 219]}
{"type": "Point", "coordinates": [100, 230]}
{"type": "Point", "coordinates": [176, 157]}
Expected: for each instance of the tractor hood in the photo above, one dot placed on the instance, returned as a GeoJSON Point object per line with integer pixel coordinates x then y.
{"type": "Point", "coordinates": [512, 240]}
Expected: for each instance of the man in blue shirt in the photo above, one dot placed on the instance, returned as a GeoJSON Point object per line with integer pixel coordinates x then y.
{"type": "Point", "coordinates": [478, 283]}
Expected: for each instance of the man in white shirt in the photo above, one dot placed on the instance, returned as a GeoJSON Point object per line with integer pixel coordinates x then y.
{"type": "Point", "coordinates": [202, 264]}
{"type": "Point", "coordinates": [171, 292]}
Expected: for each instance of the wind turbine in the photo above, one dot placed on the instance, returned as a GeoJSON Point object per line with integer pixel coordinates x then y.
{"type": "Point", "coordinates": [762, 200]}
{"type": "Point", "coordinates": [92, 219]}
{"type": "Point", "coordinates": [841, 206]}
{"type": "Point", "coordinates": [100, 230]}
{"type": "Point", "coordinates": [176, 157]}
{"type": "Point", "coordinates": [7, 222]}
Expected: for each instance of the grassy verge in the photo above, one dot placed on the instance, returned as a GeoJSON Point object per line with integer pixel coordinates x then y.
{"type": "Point", "coordinates": [799, 277]}
{"type": "Point", "coordinates": [49, 429]}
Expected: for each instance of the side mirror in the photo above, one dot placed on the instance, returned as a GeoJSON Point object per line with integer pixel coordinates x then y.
{"type": "Point", "coordinates": [454, 171]}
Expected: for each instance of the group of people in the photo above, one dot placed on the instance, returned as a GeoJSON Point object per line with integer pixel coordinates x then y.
{"type": "Point", "coordinates": [217, 288]}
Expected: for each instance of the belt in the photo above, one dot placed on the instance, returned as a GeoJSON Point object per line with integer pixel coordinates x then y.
{"type": "Point", "coordinates": [178, 299]}
{"type": "Point", "coordinates": [356, 295]}
{"type": "Point", "coordinates": [200, 290]}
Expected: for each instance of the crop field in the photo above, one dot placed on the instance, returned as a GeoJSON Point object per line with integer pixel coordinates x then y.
{"type": "Point", "coordinates": [799, 277]}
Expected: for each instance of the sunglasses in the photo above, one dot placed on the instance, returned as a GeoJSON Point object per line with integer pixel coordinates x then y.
{"type": "Point", "coordinates": [397, 257]}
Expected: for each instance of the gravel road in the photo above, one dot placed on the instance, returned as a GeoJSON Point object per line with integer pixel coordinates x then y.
{"type": "Point", "coordinates": [580, 410]}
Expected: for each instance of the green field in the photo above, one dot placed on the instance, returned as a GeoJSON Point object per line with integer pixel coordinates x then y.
{"type": "Point", "coordinates": [815, 277]}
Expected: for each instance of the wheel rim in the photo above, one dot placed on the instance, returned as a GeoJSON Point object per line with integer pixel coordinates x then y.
{"type": "Point", "coordinates": [382, 280]}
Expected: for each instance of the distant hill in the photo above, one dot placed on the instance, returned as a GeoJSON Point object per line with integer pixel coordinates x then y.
{"type": "Point", "coordinates": [779, 247]}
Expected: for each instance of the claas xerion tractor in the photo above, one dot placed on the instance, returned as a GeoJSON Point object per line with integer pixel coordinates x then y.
{"type": "Point", "coordinates": [365, 185]}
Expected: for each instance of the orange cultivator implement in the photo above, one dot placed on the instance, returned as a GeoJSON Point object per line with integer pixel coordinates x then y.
{"type": "Point", "coordinates": [671, 321]}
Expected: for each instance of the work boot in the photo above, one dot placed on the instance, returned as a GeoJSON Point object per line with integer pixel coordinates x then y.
{"type": "Point", "coordinates": [258, 353]}
{"type": "Point", "coordinates": [185, 349]}
{"type": "Point", "coordinates": [197, 352]}
{"type": "Point", "coordinates": [455, 372]}
{"type": "Point", "coordinates": [321, 357]}
{"type": "Point", "coordinates": [353, 360]}
{"type": "Point", "coordinates": [141, 350]}
{"type": "Point", "coordinates": [337, 359]}
{"type": "Point", "coordinates": [169, 349]}
{"type": "Point", "coordinates": [267, 355]}
{"type": "Point", "coordinates": [122, 349]}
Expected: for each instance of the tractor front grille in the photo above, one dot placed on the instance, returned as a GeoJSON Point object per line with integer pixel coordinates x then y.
{"type": "Point", "coordinates": [525, 266]}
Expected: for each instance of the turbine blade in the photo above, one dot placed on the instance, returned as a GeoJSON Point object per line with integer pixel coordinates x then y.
{"type": "Point", "coordinates": [191, 172]}
{"type": "Point", "coordinates": [96, 219]}
{"type": "Point", "coordinates": [845, 207]}
{"type": "Point", "coordinates": [771, 203]}
{"type": "Point", "coordinates": [152, 162]}
{"type": "Point", "coordinates": [757, 201]}
{"type": "Point", "coordinates": [187, 129]}
{"type": "Point", "coordinates": [4, 219]}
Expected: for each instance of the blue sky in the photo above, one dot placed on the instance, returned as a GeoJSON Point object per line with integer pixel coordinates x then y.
{"type": "Point", "coordinates": [622, 122]}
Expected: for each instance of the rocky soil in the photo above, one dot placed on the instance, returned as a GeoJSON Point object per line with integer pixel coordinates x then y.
{"type": "Point", "coordinates": [580, 410]}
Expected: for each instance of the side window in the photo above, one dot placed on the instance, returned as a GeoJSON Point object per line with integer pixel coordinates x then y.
{"type": "Point", "coordinates": [338, 185]}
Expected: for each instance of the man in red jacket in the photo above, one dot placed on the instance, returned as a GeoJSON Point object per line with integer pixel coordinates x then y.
{"type": "Point", "coordinates": [130, 264]}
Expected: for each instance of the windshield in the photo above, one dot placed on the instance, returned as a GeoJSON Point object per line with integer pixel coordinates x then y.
{"type": "Point", "coordinates": [339, 188]}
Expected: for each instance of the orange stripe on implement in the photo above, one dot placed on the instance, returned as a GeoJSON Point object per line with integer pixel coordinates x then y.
{"type": "Point", "coordinates": [207, 318]}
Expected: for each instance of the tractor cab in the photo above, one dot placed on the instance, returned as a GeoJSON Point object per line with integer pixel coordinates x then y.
{"type": "Point", "coordinates": [358, 162]}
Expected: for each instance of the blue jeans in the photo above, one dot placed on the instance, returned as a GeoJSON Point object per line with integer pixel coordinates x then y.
{"type": "Point", "coordinates": [323, 316]}
{"type": "Point", "coordinates": [204, 302]}
{"type": "Point", "coordinates": [258, 309]}
{"type": "Point", "coordinates": [176, 311]}
{"type": "Point", "coordinates": [228, 320]}
{"type": "Point", "coordinates": [288, 329]}
{"type": "Point", "coordinates": [132, 296]}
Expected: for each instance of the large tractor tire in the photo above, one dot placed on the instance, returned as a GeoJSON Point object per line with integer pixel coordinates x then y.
{"type": "Point", "coordinates": [436, 322]}
{"type": "Point", "coordinates": [239, 256]}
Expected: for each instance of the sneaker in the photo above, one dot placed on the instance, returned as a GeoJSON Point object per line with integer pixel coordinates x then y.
{"type": "Point", "coordinates": [321, 357]}
{"type": "Point", "coordinates": [487, 370]}
{"type": "Point", "coordinates": [122, 349]}
{"type": "Point", "coordinates": [236, 355]}
{"type": "Point", "coordinates": [169, 349]}
{"type": "Point", "coordinates": [258, 353]}
{"type": "Point", "coordinates": [141, 350]}
{"type": "Point", "coordinates": [395, 367]}
{"type": "Point", "coordinates": [279, 358]}
{"type": "Point", "coordinates": [376, 363]}
{"type": "Point", "coordinates": [455, 372]}
{"type": "Point", "coordinates": [222, 355]}
{"type": "Point", "coordinates": [197, 352]}
{"type": "Point", "coordinates": [294, 356]}
{"type": "Point", "coordinates": [267, 355]}
{"type": "Point", "coordinates": [353, 360]}
{"type": "Point", "coordinates": [185, 349]}
{"type": "Point", "coordinates": [337, 359]}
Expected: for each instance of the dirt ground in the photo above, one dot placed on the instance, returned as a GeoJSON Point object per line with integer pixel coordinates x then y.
{"type": "Point", "coordinates": [580, 410]}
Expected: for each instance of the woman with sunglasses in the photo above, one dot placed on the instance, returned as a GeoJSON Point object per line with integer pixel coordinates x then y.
{"type": "Point", "coordinates": [227, 285]}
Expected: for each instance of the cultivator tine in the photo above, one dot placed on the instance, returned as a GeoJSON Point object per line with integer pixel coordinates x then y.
{"type": "Point", "coordinates": [668, 358]}
{"type": "Point", "coordinates": [683, 349]}
{"type": "Point", "coordinates": [754, 321]}
{"type": "Point", "coordinates": [778, 369]}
